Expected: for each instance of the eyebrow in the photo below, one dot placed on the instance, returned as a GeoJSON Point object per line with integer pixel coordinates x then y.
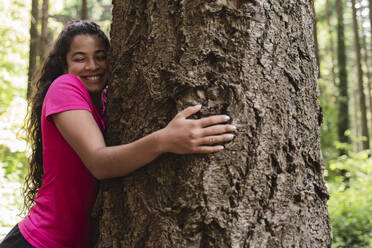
{"type": "Point", "coordinates": [82, 53]}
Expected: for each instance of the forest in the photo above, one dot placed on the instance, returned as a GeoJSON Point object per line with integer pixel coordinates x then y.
{"type": "Point", "coordinates": [342, 35]}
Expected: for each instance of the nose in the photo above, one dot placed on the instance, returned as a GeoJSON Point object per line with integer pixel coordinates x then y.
{"type": "Point", "coordinates": [91, 65]}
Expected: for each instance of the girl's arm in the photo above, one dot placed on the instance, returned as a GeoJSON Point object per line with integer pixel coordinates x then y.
{"type": "Point", "coordinates": [180, 136]}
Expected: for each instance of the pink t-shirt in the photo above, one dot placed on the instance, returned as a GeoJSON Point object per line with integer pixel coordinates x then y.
{"type": "Point", "coordinates": [60, 217]}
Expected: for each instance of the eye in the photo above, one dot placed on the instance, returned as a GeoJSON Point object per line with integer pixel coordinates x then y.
{"type": "Point", "coordinates": [78, 59]}
{"type": "Point", "coordinates": [101, 57]}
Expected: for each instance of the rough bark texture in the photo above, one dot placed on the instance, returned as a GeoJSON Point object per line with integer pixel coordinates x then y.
{"type": "Point", "coordinates": [343, 98]}
{"type": "Point", "coordinates": [362, 97]}
{"type": "Point", "coordinates": [34, 38]}
{"type": "Point", "coordinates": [252, 60]}
{"type": "Point", "coordinates": [315, 31]}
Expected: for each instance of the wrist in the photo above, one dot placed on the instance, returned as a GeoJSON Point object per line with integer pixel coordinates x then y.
{"type": "Point", "coordinates": [160, 142]}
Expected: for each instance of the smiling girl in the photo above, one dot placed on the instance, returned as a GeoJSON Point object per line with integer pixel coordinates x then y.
{"type": "Point", "coordinates": [68, 149]}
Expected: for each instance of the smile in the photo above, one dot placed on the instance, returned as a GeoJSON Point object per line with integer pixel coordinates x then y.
{"type": "Point", "coordinates": [93, 78]}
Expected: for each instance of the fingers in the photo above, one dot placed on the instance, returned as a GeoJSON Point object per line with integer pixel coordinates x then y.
{"type": "Point", "coordinates": [217, 139]}
{"type": "Point", "coordinates": [218, 129]}
{"type": "Point", "coordinates": [189, 111]}
{"type": "Point", "coordinates": [213, 120]}
{"type": "Point", "coordinates": [208, 149]}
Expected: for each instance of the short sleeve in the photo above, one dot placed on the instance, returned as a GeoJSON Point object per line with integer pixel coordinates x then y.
{"type": "Point", "coordinates": [67, 92]}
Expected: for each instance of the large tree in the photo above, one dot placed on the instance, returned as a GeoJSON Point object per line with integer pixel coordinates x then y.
{"type": "Point", "coordinates": [252, 60]}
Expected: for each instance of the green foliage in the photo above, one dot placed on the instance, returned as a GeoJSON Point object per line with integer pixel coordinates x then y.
{"type": "Point", "coordinates": [13, 152]}
{"type": "Point", "coordinates": [13, 162]}
{"type": "Point", "coordinates": [350, 206]}
{"type": "Point", "coordinates": [13, 52]}
{"type": "Point", "coordinates": [99, 11]}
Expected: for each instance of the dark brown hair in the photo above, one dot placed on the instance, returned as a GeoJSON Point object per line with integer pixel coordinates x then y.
{"type": "Point", "coordinates": [54, 66]}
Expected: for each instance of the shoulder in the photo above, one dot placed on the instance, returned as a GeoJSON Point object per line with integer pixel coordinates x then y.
{"type": "Point", "coordinates": [67, 80]}
{"type": "Point", "coordinates": [67, 92]}
{"type": "Point", "coordinates": [67, 85]}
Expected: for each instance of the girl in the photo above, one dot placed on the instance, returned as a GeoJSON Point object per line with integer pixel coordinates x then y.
{"type": "Point", "coordinates": [68, 148]}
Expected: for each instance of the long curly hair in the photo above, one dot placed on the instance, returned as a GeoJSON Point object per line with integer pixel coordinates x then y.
{"type": "Point", "coordinates": [54, 66]}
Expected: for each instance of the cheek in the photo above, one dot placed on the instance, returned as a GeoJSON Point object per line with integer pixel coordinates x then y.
{"type": "Point", "coordinates": [103, 65]}
{"type": "Point", "coordinates": [74, 68]}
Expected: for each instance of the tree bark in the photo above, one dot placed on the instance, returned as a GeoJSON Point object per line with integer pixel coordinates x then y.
{"type": "Point", "coordinates": [343, 99]}
{"type": "Point", "coordinates": [34, 38]}
{"type": "Point", "coordinates": [316, 43]}
{"type": "Point", "coordinates": [84, 9]}
{"type": "Point", "coordinates": [362, 97]}
{"type": "Point", "coordinates": [252, 60]}
{"type": "Point", "coordinates": [44, 30]}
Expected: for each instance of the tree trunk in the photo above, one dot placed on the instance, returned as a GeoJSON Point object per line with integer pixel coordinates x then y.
{"type": "Point", "coordinates": [368, 72]}
{"type": "Point", "coordinates": [84, 9]}
{"type": "Point", "coordinates": [332, 47]}
{"type": "Point", "coordinates": [315, 32]}
{"type": "Point", "coordinates": [252, 60]}
{"type": "Point", "coordinates": [370, 19]}
{"type": "Point", "coordinates": [343, 99]}
{"type": "Point", "coordinates": [362, 97]}
{"type": "Point", "coordinates": [34, 37]}
{"type": "Point", "coordinates": [357, 119]}
{"type": "Point", "coordinates": [44, 30]}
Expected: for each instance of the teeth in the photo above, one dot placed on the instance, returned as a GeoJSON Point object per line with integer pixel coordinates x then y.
{"type": "Point", "coordinates": [93, 78]}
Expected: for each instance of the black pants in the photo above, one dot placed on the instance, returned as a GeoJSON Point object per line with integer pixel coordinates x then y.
{"type": "Point", "coordinates": [15, 239]}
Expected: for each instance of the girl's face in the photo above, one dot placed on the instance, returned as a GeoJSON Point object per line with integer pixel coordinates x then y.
{"type": "Point", "coordinates": [87, 60]}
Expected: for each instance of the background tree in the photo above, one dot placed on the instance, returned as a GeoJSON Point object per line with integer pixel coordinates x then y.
{"type": "Point", "coordinates": [34, 38]}
{"type": "Point", "coordinates": [362, 97]}
{"type": "Point", "coordinates": [343, 100]}
{"type": "Point", "coordinates": [84, 9]}
{"type": "Point", "coordinates": [328, 13]}
{"type": "Point", "coordinates": [44, 30]}
{"type": "Point", "coordinates": [252, 60]}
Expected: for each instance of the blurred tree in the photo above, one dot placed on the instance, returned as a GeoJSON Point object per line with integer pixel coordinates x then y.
{"type": "Point", "coordinates": [34, 39]}
{"type": "Point", "coordinates": [362, 98]}
{"type": "Point", "coordinates": [368, 70]}
{"type": "Point", "coordinates": [44, 30]}
{"type": "Point", "coordinates": [331, 42]}
{"type": "Point", "coordinates": [84, 10]}
{"type": "Point", "coordinates": [343, 100]}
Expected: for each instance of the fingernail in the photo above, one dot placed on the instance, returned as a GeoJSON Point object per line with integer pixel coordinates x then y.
{"type": "Point", "coordinates": [227, 117]}
{"type": "Point", "coordinates": [232, 128]}
{"type": "Point", "coordinates": [198, 106]}
{"type": "Point", "coordinates": [221, 147]}
{"type": "Point", "coordinates": [231, 136]}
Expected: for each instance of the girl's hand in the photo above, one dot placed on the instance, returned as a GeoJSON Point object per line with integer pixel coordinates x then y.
{"type": "Point", "coordinates": [184, 135]}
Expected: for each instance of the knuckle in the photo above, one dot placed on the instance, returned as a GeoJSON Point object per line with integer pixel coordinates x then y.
{"type": "Point", "coordinates": [193, 135]}
{"type": "Point", "coordinates": [194, 124]}
{"type": "Point", "coordinates": [192, 143]}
